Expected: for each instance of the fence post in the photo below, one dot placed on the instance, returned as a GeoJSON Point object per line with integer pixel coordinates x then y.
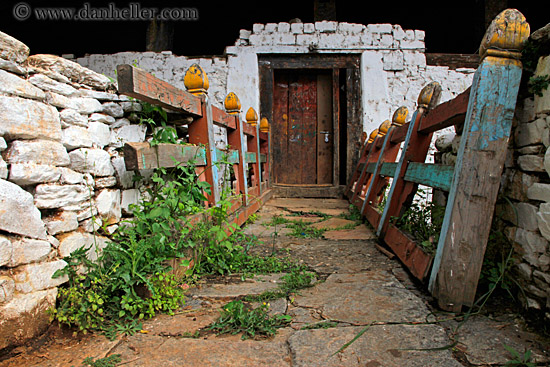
{"type": "Point", "coordinates": [265, 149]}
{"type": "Point", "coordinates": [252, 146]}
{"type": "Point", "coordinates": [480, 160]}
{"type": "Point", "coordinates": [201, 130]}
{"type": "Point", "coordinates": [235, 140]}
{"type": "Point", "coordinates": [414, 149]}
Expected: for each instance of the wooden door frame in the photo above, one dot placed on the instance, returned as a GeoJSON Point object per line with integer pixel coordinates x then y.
{"type": "Point", "coordinates": [350, 63]}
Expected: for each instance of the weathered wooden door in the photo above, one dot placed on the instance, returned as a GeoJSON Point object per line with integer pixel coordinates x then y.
{"type": "Point", "coordinates": [302, 132]}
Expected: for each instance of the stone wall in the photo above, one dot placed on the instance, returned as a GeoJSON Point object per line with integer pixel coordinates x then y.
{"type": "Point", "coordinates": [524, 206]}
{"type": "Point", "coordinates": [61, 130]}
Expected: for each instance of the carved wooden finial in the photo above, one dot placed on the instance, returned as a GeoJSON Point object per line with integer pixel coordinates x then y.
{"type": "Point", "coordinates": [195, 80]}
{"type": "Point", "coordinates": [232, 104]}
{"type": "Point", "coordinates": [505, 35]}
{"type": "Point", "coordinates": [384, 127]}
{"type": "Point", "coordinates": [399, 116]}
{"type": "Point", "coordinates": [264, 125]}
{"type": "Point", "coordinates": [251, 117]}
{"type": "Point", "coordinates": [372, 136]}
{"type": "Point", "coordinates": [429, 95]}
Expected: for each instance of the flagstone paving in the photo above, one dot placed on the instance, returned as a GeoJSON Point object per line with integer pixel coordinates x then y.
{"type": "Point", "coordinates": [359, 295]}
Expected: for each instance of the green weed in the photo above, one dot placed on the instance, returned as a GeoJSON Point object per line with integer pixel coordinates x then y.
{"type": "Point", "coordinates": [519, 359]}
{"type": "Point", "coordinates": [236, 317]}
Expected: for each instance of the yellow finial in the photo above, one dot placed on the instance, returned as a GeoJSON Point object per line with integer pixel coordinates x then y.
{"type": "Point", "coordinates": [251, 117]}
{"type": "Point", "coordinates": [384, 127]}
{"type": "Point", "coordinates": [264, 125]}
{"type": "Point", "coordinates": [505, 35]}
{"type": "Point", "coordinates": [195, 80]}
{"type": "Point", "coordinates": [429, 95]}
{"type": "Point", "coordinates": [232, 104]}
{"type": "Point", "coordinates": [400, 115]}
{"type": "Point", "coordinates": [372, 136]}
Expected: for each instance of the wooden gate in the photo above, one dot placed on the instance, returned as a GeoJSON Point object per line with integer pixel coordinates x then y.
{"type": "Point", "coordinates": [484, 115]}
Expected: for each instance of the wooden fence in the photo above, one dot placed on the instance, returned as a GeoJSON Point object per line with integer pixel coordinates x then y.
{"type": "Point", "coordinates": [483, 114]}
{"type": "Point", "coordinates": [248, 141]}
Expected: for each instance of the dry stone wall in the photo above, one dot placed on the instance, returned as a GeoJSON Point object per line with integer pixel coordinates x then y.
{"type": "Point", "coordinates": [61, 129]}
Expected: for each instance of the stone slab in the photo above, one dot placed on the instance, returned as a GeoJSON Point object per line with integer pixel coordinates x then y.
{"type": "Point", "coordinates": [214, 351]}
{"type": "Point", "coordinates": [360, 232]}
{"type": "Point", "coordinates": [380, 345]}
{"type": "Point", "coordinates": [482, 340]}
{"type": "Point", "coordinates": [332, 223]}
{"type": "Point", "coordinates": [257, 285]}
{"type": "Point", "coordinates": [363, 298]}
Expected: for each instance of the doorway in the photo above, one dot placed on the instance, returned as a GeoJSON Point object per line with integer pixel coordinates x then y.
{"type": "Point", "coordinates": [303, 137]}
{"type": "Point", "coordinates": [313, 104]}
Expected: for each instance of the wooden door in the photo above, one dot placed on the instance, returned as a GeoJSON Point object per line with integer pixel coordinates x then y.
{"type": "Point", "coordinates": [302, 132]}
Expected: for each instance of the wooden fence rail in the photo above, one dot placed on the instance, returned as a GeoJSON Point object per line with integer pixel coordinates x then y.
{"type": "Point", "coordinates": [248, 142]}
{"type": "Point", "coordinates": [483, 114]}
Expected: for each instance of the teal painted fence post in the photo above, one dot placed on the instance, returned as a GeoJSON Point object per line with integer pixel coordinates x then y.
{"type": "Point", "coordinates": [480, 160]}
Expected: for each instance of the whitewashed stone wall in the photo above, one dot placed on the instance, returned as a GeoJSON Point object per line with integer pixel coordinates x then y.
{"type": "Point", "coordinates": [526, 185]}
{"type": "Point", "coordinates": [393, 64]}
{"type": "Point", "coordinates": [60, 129]}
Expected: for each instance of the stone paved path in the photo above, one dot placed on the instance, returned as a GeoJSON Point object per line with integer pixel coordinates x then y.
{"type": "Point", "coordinates": [359, 290]}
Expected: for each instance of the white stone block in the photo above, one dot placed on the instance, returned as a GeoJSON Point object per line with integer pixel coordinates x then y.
{"type": "Point", "coordinates": [398, 32]}
{"type": "Point", "coordinates": [63, 221]}
{"type": "Point", "coordinates": [77, 137]}
{"type": "Point", "coordinates": [100, 133]}
{"type": "Point", "coordinates": [113, 109]}
{"type": "Point", "coordinates": [99, 95]}
{"type": "Point", "coordinates": [531, 133]}
{"type": "Point", "coordinates": [393, 61]}
{"type": "Point", "coordinates": [103, 182]}
{"type": "Point", "coordinates": [386, 41]}
{"type": "Point", "coordinates": [3, 169]}
{"type": "Point", "coordinates": [283, 27]}
{"type": "Point", "coordinates": [380, 28]}
{"type": "Point", "coordinates": [38, 152]}
{"type": "Point", "coordinates": [297, 28]}
{"type": "Point", "coordinates": [128, 134]}
{"type": "Point", "coordinates": [17, 86]}
{"type": "Point", "coordinates": [12, 49]}
{"type": "Point", "coordinates": [12, 67]}
{"type": "Point", "coordinates": [103, 118]}
{"type": "Point", "coordinates": [27, 251]}
{"type": "Point", "coordinates": [3, 144]}
{"type": "Point", "coordinates": [108, 206]}
{"type": "Point", "coordinates": [531, 163]}
{"type": "Point", "coordinates": [54, 196]}
{"type": "Point", "coordinates": [28, 119]}
{"type": "Point", "coordinates": [526, 216]}
{"type": "Point", "coordinates": [124, 177]}
{"type": "Point", "coordinates": [539, 191]}
{"type": "Point", "coordinates": [70, 117]}
{"type": "Point", "coordinates": [419, 35]}
{"type": "Point", "coordinates": [25, 174]}
{"type": "Point", "coordinates": [326, 26]}
{"type": "Point", "coordinates": [94, 161]}
{"type": "Point", "coordinates": [43, 82]}
{"type": "Point", "coordinates": [129, 197]}
{"type": "Point", "coordinates": [270, 27]}
{"type": "Point", "coordinates": [17, 203]}
{"type": "Point", "coordinates": [131, 106]}
{"type": "Point", "coordinates": [69, 242]}
{"type": "Point", "coordinates": [309, 28]}
{"type": "Point", "coordinates": [82, 105]}
{"type": "Point", "coordinates": [36, 277]}
{"type": "Point", "coordinates": [257, 27]}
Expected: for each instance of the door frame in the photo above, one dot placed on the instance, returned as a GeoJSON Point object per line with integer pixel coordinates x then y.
{"type": "Point", "coordinates": [342, 66]}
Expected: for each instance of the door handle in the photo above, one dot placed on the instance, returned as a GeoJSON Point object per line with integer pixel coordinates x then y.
{"type": "Point", "coordinates": [327, 133]}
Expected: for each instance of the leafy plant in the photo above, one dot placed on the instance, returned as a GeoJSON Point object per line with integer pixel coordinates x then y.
{"type": "Point", "coordinates": [538, 84]}
{"type": "Point", "coordinates": [109, 361]}
{"type": "Point", "coordinates": [236, 317]}
{"type": "Point", "coordinates": [298, 278]}
{"type": "Point", "coordinates": [519, 359]}
{"type": "Point", "coordinates": [422, 221]}
{"type": "Point", "coordinates": [157, 119]}
{"type": "Point", "coordinates": [302, 229]}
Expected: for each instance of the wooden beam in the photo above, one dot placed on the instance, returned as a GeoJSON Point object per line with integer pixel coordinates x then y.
{"type": "Point", "coordinates": [223, 119]}
{"type": "Point", "coordinates": [138, 156]}
{"type": "Point", "coordinates": [138, 83]}
{"type": "Point", "coordinates": [446, 114]}
{"type": "Point", "coordinates": [435, 175]}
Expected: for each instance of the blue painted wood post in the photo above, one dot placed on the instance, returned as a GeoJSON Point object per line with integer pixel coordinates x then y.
{"type": "Point", "coordinates": [479, 165]}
